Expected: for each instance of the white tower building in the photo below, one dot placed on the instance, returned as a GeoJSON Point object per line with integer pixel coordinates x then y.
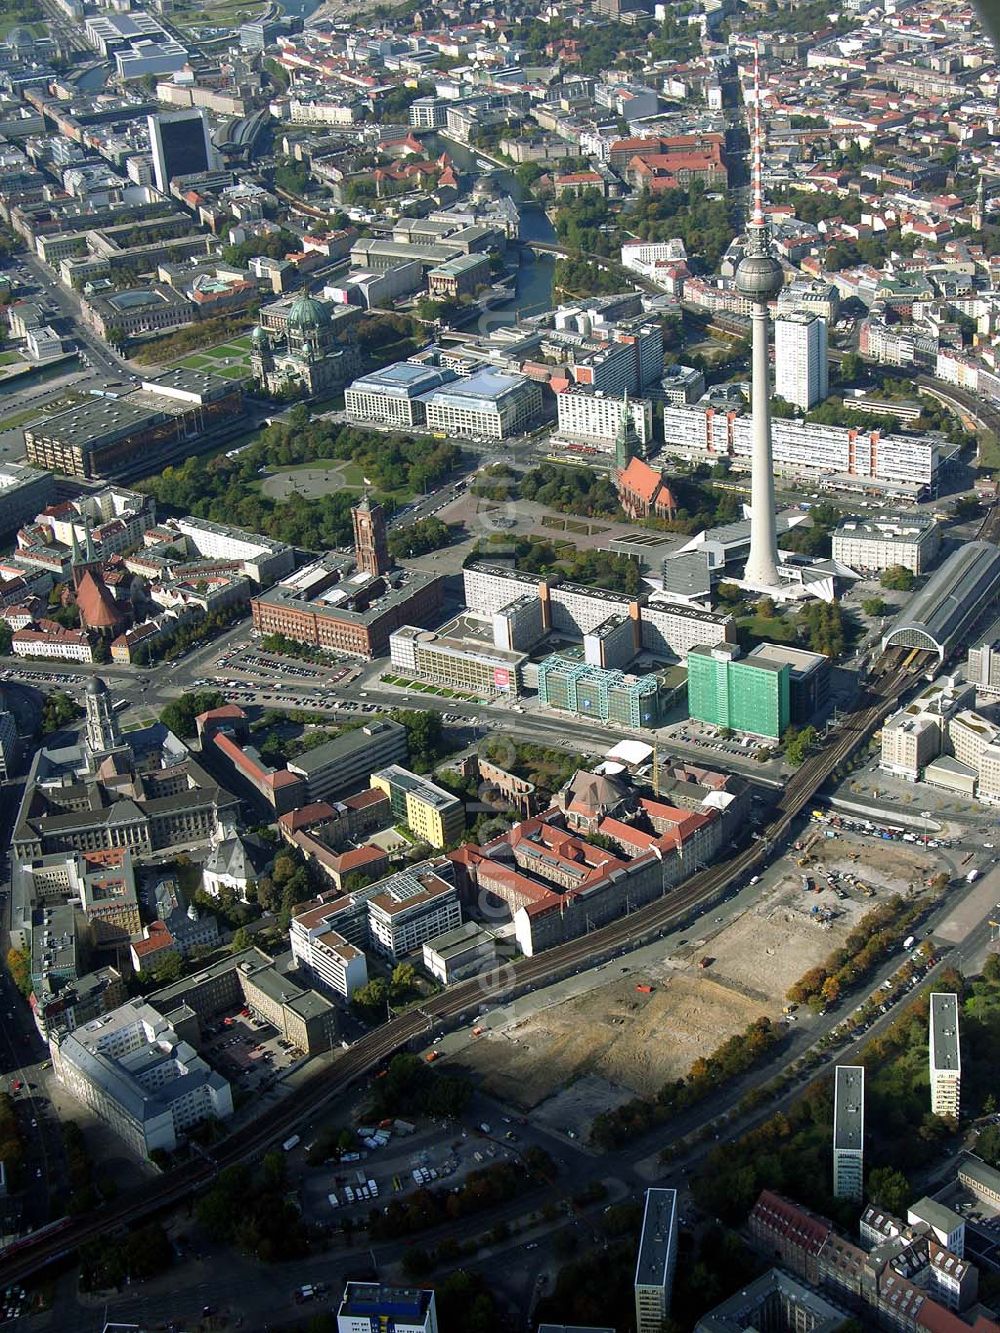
{"type": "Point", "coordinates": [759, 278]}
{"type": "Point", "coordinates": [800, 361]}
{"type": "Point", "coordinates": [102, 725]}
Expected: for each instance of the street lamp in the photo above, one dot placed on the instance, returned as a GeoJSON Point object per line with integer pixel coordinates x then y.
{"type": "Point", "coordinates": [925, 815]}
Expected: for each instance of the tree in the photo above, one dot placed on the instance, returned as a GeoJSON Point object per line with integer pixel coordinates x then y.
{"type": "Point", "coordinates": [797, 743]}
{"type": "Point", "coordinates": [873, 606]}
{"type": "Point", "coordinates": [19, 967]}
{"type": "Point", "coordinates": [372, 999]}
{"type": "Point", "coordinates": [889, 1189]}
{"type": "Point", "coordinates": [897, 578]}
{"type": "Point", "coordinates": [179, 716]}
{"type": "Point", "coordinates": [6, 637]}
{"type": "Point", "coordinates": [242, 939]}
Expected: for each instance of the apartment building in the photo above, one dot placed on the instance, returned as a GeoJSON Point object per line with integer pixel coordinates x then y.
{"type": "Point", "coordinates": [596, 418]}
{"type": "Point", "coordinates": [982, 669]}
{"type": "Point", "coordinates": [909, 743]}
{"type": "Point", "coordinates": [800, 359]}
{"type": "Point", "coordinates": [849, 1132]}
{"type": "Point", "coordinates": [945, 1060]}
{"type": "Point", "coordinates": [656, 1261]}
{"type": "Point", "coordinates": [325, 955]}
{"type": "Point", "coordinates": [881, 541]}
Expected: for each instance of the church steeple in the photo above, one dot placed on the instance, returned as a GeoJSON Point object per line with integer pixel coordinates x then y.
{"type": "Point", "coordinates": [627, 442]}
{"type": "Point", "coordinates": [90, 551]}
{"type": "Point", "coordinates": [75, 555]}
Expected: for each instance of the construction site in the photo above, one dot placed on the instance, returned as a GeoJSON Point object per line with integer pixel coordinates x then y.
{"type": "Point", "coordinates": [643, 1021]}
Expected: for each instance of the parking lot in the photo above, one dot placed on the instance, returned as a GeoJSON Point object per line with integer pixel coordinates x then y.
{"type": "Point", "coordinates": [250, 1053]}
{"type": "Point", "coordinates": [400, 1167]}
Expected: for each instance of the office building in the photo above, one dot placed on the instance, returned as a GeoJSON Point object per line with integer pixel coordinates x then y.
{"type": "Point", "coordinates": [24, 493]}
{"type": "Point", "coordinates": [140, 432]}
{"type": "Point", "coordinates": [776, 1302]}
{"type": "Point", "coordinates": [465, 951]}
{"type": "Point", "coordinates": [982, 669]}
{"type": "Point", "coordinates": [348, 761]}
{"type": "Point", "coordinates": [368, 1306]}
{"type": "Point", "coordinates": [595, 418]}
{"type": "Point", "coordinates": [181, 144]}
{"type": "Point", "coordinates": [461, 663]}
{"type": "Point", "coordinates": [871, 544]}
{"type": "Point", "coordinates": [262, 559]}
{"type": "Point", "coordinates": [487, 403]}
{"type": "Point", "coordinates": [849, 1132]}
{"type": "Point", "coordinates": [749, 695]}
{"type": "Point", "coordinates": [945, 1056]}
{"type": "Point", "coordinates": [808, 677]}
{"type": "Point", "coordinates": [593, 692]}
{"type": "Point", "coordinates": [410, 908]}
{"type": "Point", "coordinates": [800, 359]}
{"type": "Point", "coordinates": [371, 538]}
{"type": "Point", "coordinates": [430, 812]}
{"type": "Point", "coordinates": [395, 394]}
{"type": "Point", "coordinates": [654, 1270]}
{"type": "Point", "coordinates": [138, 1076]}
{"type": "Point", "coordinates": [325, 605]}
{"type": "Point", "coordinates": [810, 297]}
{"type": "Point", "coordinates": [250, 979]}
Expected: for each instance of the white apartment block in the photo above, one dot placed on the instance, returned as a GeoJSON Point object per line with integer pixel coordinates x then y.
{"type": "Point", "coordinates": [909, 743]}
{"type": "Point", "coordinates": [988, 789]}
{"type": "Point", "coordinates": [666, 629]}
{"type": "Point", "coordinates": [849, 1132]}
{"type": "Point", "coordinates": [945, 1056]}
{"type": "Point", "coordinates": [868, 545]}
{"type": "Point", "coordinates": [67, 645]}
{"type": "Point", "coordinates": [800, 361]}
{"type": "Point", "coordinates": [982, 669]}
{"type": "Point", "coordinates": [802, 447]}
{"type": "Point", "coordinates": [596, 418]}
{"type": "Point", "coordinates": [657, 1259]}
{"type": "Point", "coordinates": [970, 733]}
{"type": "Point", "coordinates": [139, 1077]}
{"type": "Point", "coordinates": [672, 629]}
{"type": "Point", "coordinates": [805, 296]}
{"type": "Point", "coordinates": [326, 955]}
{"type": "Point", "coordinates": [263, 559]}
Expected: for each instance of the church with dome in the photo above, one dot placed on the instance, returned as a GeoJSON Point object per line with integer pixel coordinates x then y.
{"type": "Point", "coordinates": [307, 357]}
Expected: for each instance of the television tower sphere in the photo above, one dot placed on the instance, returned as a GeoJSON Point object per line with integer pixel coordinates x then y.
{"type": "Point", "coordinates": [759, 277]}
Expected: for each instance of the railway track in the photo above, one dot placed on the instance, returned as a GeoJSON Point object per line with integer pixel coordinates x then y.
{"type": "Point", "coordinates": [28, 1257]}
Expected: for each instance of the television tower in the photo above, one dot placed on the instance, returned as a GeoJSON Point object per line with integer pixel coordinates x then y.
{"type": "Point", "coordinates": [759, 278]}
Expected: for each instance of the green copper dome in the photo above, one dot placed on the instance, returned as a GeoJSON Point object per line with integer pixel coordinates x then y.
{"type": "Point", "coordinates": [308, 313]}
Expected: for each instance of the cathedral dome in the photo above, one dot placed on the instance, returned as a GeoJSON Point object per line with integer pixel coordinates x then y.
{"type": "Point", "coordinates": [308, 313]}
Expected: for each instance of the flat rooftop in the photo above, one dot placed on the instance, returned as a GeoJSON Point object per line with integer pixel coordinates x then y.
{"type": "Point", "coordinates": [344, 747]}
{"type": "Point", "coordinates": [945, 1054]}
{"type": "Point", "coordinates": [849, 1108]}
{"type": "Point", "coordinates": [658, 1223]}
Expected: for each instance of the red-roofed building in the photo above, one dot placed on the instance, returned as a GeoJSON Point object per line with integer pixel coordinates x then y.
{"type": "Point", "coordinates": [98, 609]}
{"type": "Point", "coordinates": [282, 790]}
{"type": "Point", "coordinates": [643, 491]}
{"type": "Point", "coordinates": [789, 1233]}
{"type": "Point", "coordinates": [151, 950]}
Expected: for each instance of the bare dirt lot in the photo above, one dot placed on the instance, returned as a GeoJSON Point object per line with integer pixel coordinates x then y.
{"type": "Point", "coordinates": [614, 1040]}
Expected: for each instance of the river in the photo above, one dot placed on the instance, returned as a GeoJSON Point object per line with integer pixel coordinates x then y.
{"type": "Point", "coordinates": [533, 292]}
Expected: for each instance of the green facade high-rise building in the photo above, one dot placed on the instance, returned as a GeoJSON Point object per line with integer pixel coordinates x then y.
{"type": "Point", "coordinates": [744, 694]}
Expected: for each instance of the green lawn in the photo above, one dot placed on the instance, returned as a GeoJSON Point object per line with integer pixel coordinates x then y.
{"type": "Point", "coordinates": [768, 629]}
{"type": "Point", "coordinates": [197, 362]}
{"type": "Point", "coordinates": [10, 358]}
{"type": "Point", "coordinates": [989, 451]}
{"type": "Point", "coordinates": [231, 372]}
{"type": "Point", "coordinates": [243, 342]}
{"type": "Point", "coordinates": [20, 418]}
